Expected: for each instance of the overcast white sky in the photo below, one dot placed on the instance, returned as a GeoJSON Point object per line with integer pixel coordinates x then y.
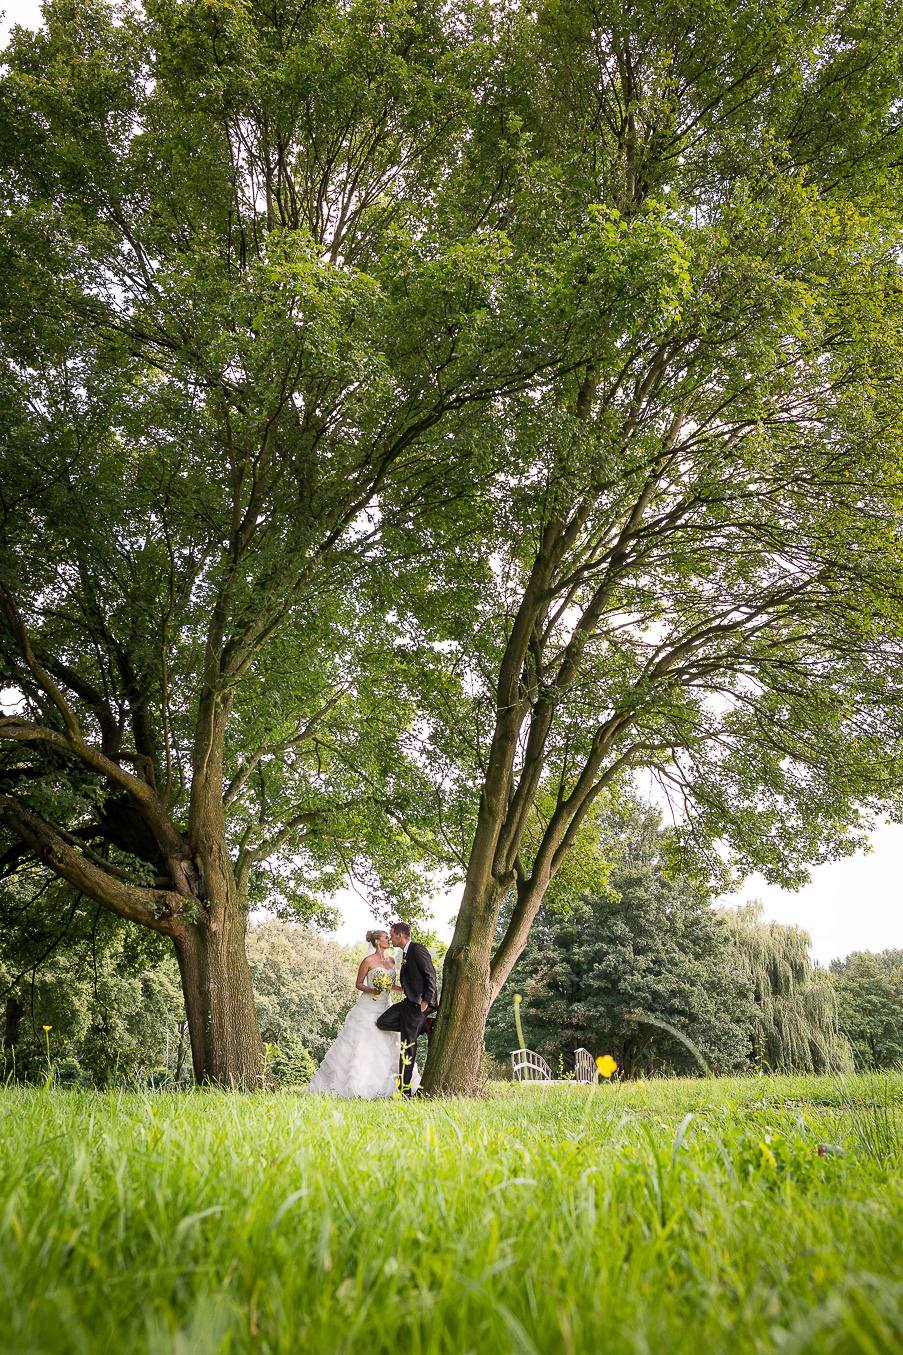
{"type": "Point", "coordinates": [855, 904]}
{"type": "Point", "coordinates": [26, 12]}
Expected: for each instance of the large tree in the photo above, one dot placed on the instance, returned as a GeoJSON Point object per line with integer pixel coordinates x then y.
{"type": "Point", "coordinates": [798, 1019]}
{"type": "Point", "coordinates": [869, 990]}
{"type": "Point", "coordinates": [618, 972]}
{"type": "Point", "coordinates": [692, 561]}
{"type": "Point", "coordinates": [252, 267]}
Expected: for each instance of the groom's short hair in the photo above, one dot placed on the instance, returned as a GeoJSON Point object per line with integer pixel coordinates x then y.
{"type": "Point", "coordinates": [403, 927]}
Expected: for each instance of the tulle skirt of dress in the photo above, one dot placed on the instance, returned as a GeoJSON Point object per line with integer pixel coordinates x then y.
{"type": "Point", "coordinates": [363, 1061]}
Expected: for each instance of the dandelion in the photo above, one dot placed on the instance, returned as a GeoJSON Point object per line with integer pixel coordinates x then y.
{"type": "Point", "coordinates": [520, 1033]}
{"type": "Point", "coordinates": [47, 1027]}
{"type": "Point", "coordinates": [47, 1030]}
{"type": "Point", "coordinates": [606, 1065]}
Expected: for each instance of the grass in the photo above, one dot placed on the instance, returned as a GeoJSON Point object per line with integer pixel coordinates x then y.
{"type": "Point", "coordinates": [668, 1216]}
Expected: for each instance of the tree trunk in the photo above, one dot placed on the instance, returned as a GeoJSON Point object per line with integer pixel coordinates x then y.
{"type": "Point", "coordinates": [180, 1053]}
{"type": "Point", "coordinates": [226, 1048]}
{"type": "Point", "coordinates": [14, 1013]}
{"type": "Point", "coordinates": [456, 1046]}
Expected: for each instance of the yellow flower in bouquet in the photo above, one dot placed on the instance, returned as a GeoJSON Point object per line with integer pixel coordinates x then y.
{"type": "Point", "coordinates": [381, 980]}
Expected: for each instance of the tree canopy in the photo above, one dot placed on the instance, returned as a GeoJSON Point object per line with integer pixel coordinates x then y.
{"type": "Point", "coordinates": [417, 418]}
{"type": "Point", "coordinates": [870, 995]}
{"type": "Point", "coordinates": [612, 973]}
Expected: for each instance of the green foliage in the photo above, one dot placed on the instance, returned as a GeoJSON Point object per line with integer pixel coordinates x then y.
{"type": "Point", "coordinates": [650, 947]}
{"type": "Point", "coordinates": [111, 996]}
{"type": "Point", "coordinates": [68, 1072]}
{"type": "Point", "coordinates": [797, 1017]}
{"type": "Point", "coordinates": [870, 995]}
{"type": "Point", "coordinates": [655, 1216]}
{"type": "Point", "coordinates": [292, 1063]}
{"type": "Point", "coordinates": [303, 985]}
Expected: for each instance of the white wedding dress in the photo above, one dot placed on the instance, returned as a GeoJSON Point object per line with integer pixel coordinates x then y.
{"type": "Point", "coordinates": [363, 1061]}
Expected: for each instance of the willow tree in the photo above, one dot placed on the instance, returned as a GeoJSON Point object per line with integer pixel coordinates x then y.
{"type": "Point", "coordinates": [246, 285]}
{"type": "Point", "coordinates": [691, 564]}
{"type": "Point", "coordinates": [797, 1009]}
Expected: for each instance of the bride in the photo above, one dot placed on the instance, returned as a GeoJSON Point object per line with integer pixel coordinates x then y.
{"type": "Point", "coordinates": [363, 1061]}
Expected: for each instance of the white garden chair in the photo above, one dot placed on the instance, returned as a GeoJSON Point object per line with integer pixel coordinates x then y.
{"type": "Point", "coordinates": [585, 1069]}
{"type": "Point", "coordinates": [527, 1066]}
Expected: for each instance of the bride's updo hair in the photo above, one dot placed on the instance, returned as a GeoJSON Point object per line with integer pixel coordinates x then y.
{"type": "Point", "coordinates": [370, 938]}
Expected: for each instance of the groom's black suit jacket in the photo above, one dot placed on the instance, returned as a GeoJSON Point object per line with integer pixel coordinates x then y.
{"type": "Point", "coordinates": [417, 976]}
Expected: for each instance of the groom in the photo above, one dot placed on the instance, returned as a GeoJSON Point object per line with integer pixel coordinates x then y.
{"type": "Point", "coordinates": [417, 980]}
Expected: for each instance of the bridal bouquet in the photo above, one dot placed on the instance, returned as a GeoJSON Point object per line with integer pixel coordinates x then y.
{"type": "Point", "coordinates": [381, 980]}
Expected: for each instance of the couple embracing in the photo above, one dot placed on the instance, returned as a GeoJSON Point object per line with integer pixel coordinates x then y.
{"type": "Point", "coordinates": [374, 1053]}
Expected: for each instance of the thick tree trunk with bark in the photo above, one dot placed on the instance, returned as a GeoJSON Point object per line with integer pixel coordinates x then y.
{"type": "Point", "coordinates": [474, 973]}
{"type": "Point", "coordinates": [226, 1048]}
{"type": "Point", "coordinates": [456, 1046]}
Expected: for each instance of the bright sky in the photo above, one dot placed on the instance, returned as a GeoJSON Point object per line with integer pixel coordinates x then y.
{"type": "Point", "coordinates": [25, 12]}
{"type": "Point", "coordinates": [855, 904]}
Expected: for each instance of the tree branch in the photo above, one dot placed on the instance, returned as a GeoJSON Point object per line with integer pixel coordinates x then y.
{"type": "Point", "coordinates": [240, 779]}
{"type": "Point", "coordinates": [40, 674]}
{"type": "Point", "coordinates": [150, 806]}
{"type": "Point", "coordinates": [155, 909]}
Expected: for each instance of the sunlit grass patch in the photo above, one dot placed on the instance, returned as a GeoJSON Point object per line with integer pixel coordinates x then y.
{"type": "Point", "coordinates": [751, 1215]}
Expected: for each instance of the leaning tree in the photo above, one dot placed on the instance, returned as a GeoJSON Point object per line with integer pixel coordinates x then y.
{"type": "Point", "coordinates": [691, 564]}
{"type": "Point", "coordinates": [253, 266]}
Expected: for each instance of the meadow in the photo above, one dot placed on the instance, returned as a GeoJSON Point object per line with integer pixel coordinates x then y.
{"type": "Point", "coordinates": [739, 1215]}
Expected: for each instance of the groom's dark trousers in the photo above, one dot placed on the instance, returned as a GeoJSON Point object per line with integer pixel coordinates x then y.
{"type": "Point", "coordinates": [407, 1018]}
{"type": "Point", "coordinates": [418, 979]}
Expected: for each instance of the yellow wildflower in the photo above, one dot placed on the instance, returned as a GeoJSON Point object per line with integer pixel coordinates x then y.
{"type": "Point", "coordinates": [606, 1065]}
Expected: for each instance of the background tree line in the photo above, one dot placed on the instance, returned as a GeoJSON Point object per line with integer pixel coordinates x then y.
{"type": "Point", "coordinates": [618, 968]}
{"type": "Point", "coordinates": [614, 970]}
{"type": "Point", "coordinates": [115, 1009]}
